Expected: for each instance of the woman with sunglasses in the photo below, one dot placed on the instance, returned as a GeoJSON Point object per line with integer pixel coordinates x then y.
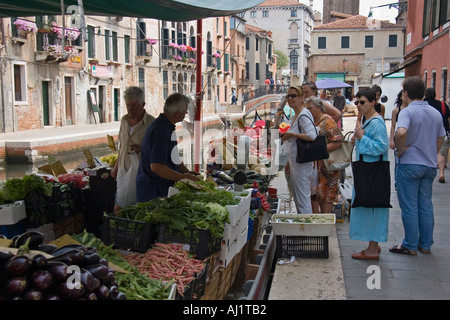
{"type": "Point", "coordinates": [371, 141]}
{"type": "Point", "coordinates": [302, 127]}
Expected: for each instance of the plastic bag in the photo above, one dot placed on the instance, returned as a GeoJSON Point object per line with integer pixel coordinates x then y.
{"type": "Point", "coordinates": [126, 183]}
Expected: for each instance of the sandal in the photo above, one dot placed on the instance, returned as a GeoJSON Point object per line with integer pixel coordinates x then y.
{"type": "Point", "coordinates": [362, 256]}
{"type": "Point", "coordinates": [402, 250]}
{"type": "Point", "coordinates": [426, 251]}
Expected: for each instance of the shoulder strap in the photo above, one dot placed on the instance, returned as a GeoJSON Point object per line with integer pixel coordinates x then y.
{"type": "Point", "coordinates": [298, 123]}
{"type": "Point", "coordinates": [443, 108]}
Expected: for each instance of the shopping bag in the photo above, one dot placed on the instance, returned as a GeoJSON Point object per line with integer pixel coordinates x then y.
{"type": "Point", "coordinates": [308, 151]}
{"type": "Point", "coordinates": [126, 183]}
{"type": "Point", "coordinates": [340, 158]}
{"type": "Point", "coordinates": [372, 183]}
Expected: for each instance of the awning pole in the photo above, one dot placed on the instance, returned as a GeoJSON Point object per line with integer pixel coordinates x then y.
{"type": "Point", "coordinates": [198, 96]}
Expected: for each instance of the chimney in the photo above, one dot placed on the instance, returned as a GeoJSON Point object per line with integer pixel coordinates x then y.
{"type": "Point", "coordinates": [311, 4]}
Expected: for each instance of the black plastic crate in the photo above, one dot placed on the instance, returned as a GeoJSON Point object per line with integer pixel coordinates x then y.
{"type": "Point", "coordinates": [127, 234]}
{"type": "Point", "coordinates": [60, 211]}
{"type": "Point", "coordinates": [187, 293]}
{"type": "Point", "coordinates": [59, 195]}
{"type": "Point", "coordinates": [200, 241]}
{"type": "Point", "coordinates": [302, 247]}
{"type": "Point", "coordinates": [200, 283]}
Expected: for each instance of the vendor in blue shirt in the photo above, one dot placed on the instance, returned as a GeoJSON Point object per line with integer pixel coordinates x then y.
{"type": "Point", "coordinates": [160, 166]}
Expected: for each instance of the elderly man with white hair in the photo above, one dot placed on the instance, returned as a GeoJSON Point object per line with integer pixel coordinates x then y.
{"type": "Point", "coordinates": [160, 165]}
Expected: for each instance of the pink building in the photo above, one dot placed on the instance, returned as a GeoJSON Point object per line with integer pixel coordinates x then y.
{"type": "Point", "coordinates": [427, 44]}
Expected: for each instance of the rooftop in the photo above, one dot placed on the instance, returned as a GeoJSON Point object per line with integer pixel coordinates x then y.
{"type": "Point", "coordinates": [358, 22]}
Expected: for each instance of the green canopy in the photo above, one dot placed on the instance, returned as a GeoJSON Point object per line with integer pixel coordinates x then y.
{"type": "Point", "coordinates": [169, 10]}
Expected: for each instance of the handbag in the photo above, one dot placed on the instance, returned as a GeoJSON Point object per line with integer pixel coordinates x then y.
{"type": "Point", "coordinates": [308, 151]}
{"type": "Point", "coordinates": [340, 158]}
{"type": "Point", "coordinates": [372, 183]}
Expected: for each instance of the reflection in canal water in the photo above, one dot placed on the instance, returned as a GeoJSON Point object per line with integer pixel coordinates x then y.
{"type": "Point", "coordinates": [70, 162]}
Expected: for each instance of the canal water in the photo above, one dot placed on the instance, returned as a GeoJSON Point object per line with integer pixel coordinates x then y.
{"type": "Point", "coordinates": [70, 162]}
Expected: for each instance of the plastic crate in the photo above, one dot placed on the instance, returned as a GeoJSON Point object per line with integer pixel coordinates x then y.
{"type": "Point", "coordinates": [127, 234]}
{"type": "Point", "coordinates": [9, 231]}
{"type": "Point", "coordinates": [12, 213]}
{"type": "Point", "coordinates": [302, 247]}
{"type": "Point", "coordinates": [200, 241]}
{"type": "Point", "coordinates": [200, 284]}
{"type": "Point", "coordinates": [59, 196]}
{"type": "Point", "coordinates": [187, 293]}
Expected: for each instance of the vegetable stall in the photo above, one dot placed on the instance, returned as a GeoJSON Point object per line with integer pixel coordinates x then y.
{"type": "Point", "coordinates": [189, 245]}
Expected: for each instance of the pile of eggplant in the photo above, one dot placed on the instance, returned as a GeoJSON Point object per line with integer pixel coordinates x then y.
{"type": "Point", "coordinates": [74, 272]}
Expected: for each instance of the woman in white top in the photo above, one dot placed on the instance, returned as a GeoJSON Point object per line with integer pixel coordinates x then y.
{"type": "Point", "coordinates": [302, 127]}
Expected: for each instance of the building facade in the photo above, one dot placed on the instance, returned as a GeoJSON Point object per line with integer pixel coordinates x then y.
{"type": "Point", "coordinates": [354, 50]}
{"type": "Point", "coordinates": [291, 24]}
{"type": "Point", "coordinates": [428, 43]}
{"type": "Point", "coordinates": [48, 82]}
{"type": "Point", "coordinates": [350, 7]}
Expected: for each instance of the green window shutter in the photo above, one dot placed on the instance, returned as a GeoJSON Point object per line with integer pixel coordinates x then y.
{"type": "Point", "coordinates": [91, 42]}
{"type": "Point", "coordinates": [218, 62]}
{"type": "Point", "coordinates": [226, 62]}
{"type": "Point", "coordinates": [107, 45]}
{"type": "Point", "coordinates": [126, 40]}
{"type": "Point", "coordinates": [114, 47]}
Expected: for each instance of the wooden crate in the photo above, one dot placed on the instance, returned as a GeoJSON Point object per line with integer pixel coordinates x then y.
{"type": "Point", "coordinates": [222, 279]}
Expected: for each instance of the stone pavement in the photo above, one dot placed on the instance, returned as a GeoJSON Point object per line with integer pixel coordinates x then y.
{"type": "Point", "coordinates": [402, 277]}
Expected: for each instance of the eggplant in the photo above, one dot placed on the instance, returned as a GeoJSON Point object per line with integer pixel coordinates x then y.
{"type": "Point", "coordinates": [41, 279]}
{"type": "Point", "coordinates": [99, 271]}
{"type": "Point", "coordinates": [110, 278]}
{"type": "Point", "coordinates": [16, 285]}
{"type": "Point", "coordinates": [90, 296]}
{"type": "Point", "coordinates": [103, 261]}
{"type": "Point", "coordinates": [33, 294]}
{"type": "Point", "coordinates": [121, 296]}
{"type": "Point", "coordinates": [113, 292]}
{"type": "Point", "coordinates": [90, 258]}
{"type": "Point", "coordinates": [47, 248]}
{"type": "Point", "coordinates": [66, 248]}
{"type": "Point", "coordinates": [58, 270]}
{"type": "Point", "coordinates": [69, 293]}
{"type": "Point", "coordinates": [73, 256]}
{"type": "Point", "coordinates": [39, 261]}
{"type": "Point", "coordinates": [102, 292]}
{"type": "Point", "coordinates": [97, 283]}
{"type": "Point", "coordinates": [18, 265]}
{"type": "Point", "coordinates": [5, 255]}
{"type": "Point", "coordinates": [87, 280]}
{"type": "Point", "coordinates": [36, 239]}
{"type": "Point", "coordinates": [52, 296]}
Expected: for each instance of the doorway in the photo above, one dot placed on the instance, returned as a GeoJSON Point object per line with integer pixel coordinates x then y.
{"type": "Point", "coordinates": [68, 92]}
{"type": "Point", "coordinates": [46, 103]}
{"type": "Point", "coordinates": [116, 104]}
{"type": "Point", "coordinates": [101, 100]}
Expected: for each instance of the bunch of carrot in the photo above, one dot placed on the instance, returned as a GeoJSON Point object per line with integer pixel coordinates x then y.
{"type": "Point", "coordinates": [167, 261]}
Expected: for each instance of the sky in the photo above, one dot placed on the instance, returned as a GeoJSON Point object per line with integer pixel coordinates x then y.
{"type": "Point", "coordinates": [383, 13]}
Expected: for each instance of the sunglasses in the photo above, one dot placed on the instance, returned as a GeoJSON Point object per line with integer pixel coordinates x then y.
{"type": "Point", "coordinates": [360, 103]}
{"type": "Point", "coordinates": [291, 96]}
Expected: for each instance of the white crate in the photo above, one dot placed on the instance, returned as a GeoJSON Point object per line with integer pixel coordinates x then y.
{"type": "Point", "coordinates": [284, 228]}
{"type": "Point", "coordinates": [12, 213]}
{"type": "Point", "coordinates": [235, 212]}
{"type": "Point", "coordinates": [227, 253]}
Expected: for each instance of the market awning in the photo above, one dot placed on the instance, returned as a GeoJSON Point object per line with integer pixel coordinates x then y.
{"type": "Point", "coordinates": [404, 64]}
{"type": "Point", "coordinates": [170, 10]}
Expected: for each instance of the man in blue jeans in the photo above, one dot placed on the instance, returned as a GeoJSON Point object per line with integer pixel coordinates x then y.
{"type": "Point", "coordinates": [418, 138]}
